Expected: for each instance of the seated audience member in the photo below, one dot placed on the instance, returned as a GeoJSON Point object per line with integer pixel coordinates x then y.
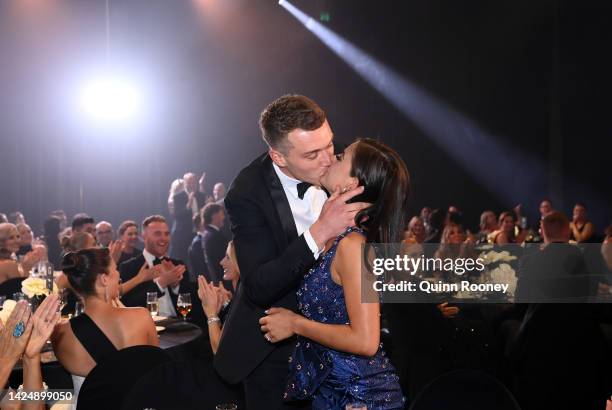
{"type": "Point", "coordinates": [104, 233]}
{"type": "Point", "coordinates": [9, 245]}
{"type": "Point", "coordinates": [78, 241]}
{"type": "Point", "coordinates": [22, 337]}
{"type": "Point", "coordinates": [507, 229]}
{"type": "Point", "coordinates": [171, 279]}
{"type": "Point", "coordinates": [606, 247]}
{"type": "Point", "coordinates": [551, 331]}
{"type": "Point", "coordinates": [436, 225]}
{"type": "Point", "coordinates": [546, 207]}
{"type": "Point", "coordinates": [104, 327]}
{"type": "Point", "coordinates": [582, 230]}
{"type": "Point", "coordinates": [3, 218]}
{"type": "Point", "coordinates": [215, 299]}
{"type": "Point", "coordinates": [25, 239]}
{"type": "Point", "coordinates": [83, 223]}
{"type": "Point", "coordinates": [128, 234]}
{"type": "Point", "coordinates": [415, 234]}
{"type": "Point", "coordinates": [488, 225]}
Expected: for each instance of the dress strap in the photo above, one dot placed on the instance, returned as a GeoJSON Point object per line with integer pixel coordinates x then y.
{"type": "Point", "coordinates": [92, 338]}
{"type": "Point", "coordinates": [348, 230]}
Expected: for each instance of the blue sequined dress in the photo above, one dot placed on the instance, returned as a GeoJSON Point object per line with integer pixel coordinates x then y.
{"type": "Point", "coordinates": [329, 377]}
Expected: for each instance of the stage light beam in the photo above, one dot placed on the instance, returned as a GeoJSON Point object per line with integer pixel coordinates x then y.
{"type": "Point", "coordinates": [109, 100]}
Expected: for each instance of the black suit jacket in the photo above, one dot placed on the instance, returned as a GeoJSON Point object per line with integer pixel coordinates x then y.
{"type": "Point", "coordinates": [138, 295]}
{"type": "Point", "coordinates": [272, 260]}
{"type": "Point", "coordinates": [197, 262]}
{"type": "Point", "coordinates": [215, 245]}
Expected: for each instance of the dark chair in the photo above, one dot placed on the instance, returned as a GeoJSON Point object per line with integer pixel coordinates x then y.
{"type": "Point", "coordinates": [8, 287]}
{"type": "Point", "coordinates": [106, 386]}
{"type": "Point", "coordinates": [465, 390]}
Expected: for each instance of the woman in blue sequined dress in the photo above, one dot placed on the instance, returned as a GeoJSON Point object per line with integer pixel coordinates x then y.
{"type": "Point", "coordinates": [338, 358]}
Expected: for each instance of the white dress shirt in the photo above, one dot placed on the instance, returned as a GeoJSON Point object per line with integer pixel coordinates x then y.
{"type": "Point", "coordinates": [305, 211]}
{"type": "Point", "coordinates": [166, 307]}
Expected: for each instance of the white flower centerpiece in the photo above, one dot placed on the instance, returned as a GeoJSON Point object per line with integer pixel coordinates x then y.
{"type": "Point", "coordinates": [499, 269]}
{"type": "Point", "coordinates": [36, 290]}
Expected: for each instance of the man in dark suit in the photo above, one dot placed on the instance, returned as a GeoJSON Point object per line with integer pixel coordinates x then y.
{"type": "Point", "coordinates": [172, 277]}
{"type": "Point", "coordinates": [185, 205]}
{"type": "Point", "coordinates": [280, 227]}
{"type": "Point", "coordinates": [214, 242]}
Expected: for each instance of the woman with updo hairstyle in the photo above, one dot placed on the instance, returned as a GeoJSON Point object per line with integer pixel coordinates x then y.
{"type": "Point", "coordinates": [103, 326]}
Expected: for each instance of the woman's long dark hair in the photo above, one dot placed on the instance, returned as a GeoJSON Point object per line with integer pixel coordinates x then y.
{"type": "Point", "coordinates": [386, 181]}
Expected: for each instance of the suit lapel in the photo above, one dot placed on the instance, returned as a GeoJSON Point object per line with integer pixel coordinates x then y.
{"type": "Point", "coordinates": [280, 201]}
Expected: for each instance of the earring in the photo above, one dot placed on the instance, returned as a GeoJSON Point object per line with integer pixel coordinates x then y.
{"type": "Point", "coordinates": [106, 293]}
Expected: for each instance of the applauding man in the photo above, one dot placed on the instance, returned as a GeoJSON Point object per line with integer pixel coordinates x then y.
{"type": "Point", "coordinates": [169, 276]}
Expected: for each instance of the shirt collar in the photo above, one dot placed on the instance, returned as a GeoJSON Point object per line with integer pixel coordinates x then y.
{"type": "Point", "coordinates": [286, 181]}
{"type": "Point", "coordinates": [149, 257]}
{"type": "Point", "coordinates": [215, 227]}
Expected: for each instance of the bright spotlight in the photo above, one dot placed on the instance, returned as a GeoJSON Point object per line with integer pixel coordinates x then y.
{"type": "Point", "coordinates": [108, 99]}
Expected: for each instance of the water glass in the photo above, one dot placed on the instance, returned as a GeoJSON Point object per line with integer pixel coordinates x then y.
{"type": "Point", "coordinates": [356, 406]}
{"type": "Point", "coordinates": [152, 303]}
{"type": "Point", "coordinates": [226, 406]}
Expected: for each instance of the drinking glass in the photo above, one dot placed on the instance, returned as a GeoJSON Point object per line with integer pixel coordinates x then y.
{"type": "Point", "coordinates": [184, 304]}
{"type": "Point", "coordinates": [226, 406]}
{"type": "Point", "coordinates": [152, 303]}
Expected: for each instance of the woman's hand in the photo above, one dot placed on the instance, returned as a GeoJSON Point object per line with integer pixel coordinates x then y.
{"type": "Point", "coordinates": [32, 258]}
{"type": "Point", "coordinates": [278, 324]}
{"type": "Point", "coordinates": [43, 322]}
{"type": "Point", "coordinates": [146, 274]}
{"type": "Point", "coordinates": [116, 249]}
{"type": "Point", "coordinates": [12, 347]}
{"type": "Point", "coordinates": [209, 296]}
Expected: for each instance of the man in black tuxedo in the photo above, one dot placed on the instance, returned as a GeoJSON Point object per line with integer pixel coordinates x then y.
{"type": "Point", "coordinates": [172, 277]}
{"type": "Point", "coordinates": [186, 204]}
{"type": "Point", "coordinates": [214, 242]}
{"type": "Point", "coordinates": [280, 226]}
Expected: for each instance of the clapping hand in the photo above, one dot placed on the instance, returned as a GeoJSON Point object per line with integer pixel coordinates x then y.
{"type": "Point", "coordinates": [209, 295]}
{"type": "Point", "coordinates": [170, 274]}
{"type": "Point", "coordinates": [43, 322]}
{"type": "Point", "coordinates": [12, 341]}
{"type": "Point", "coordinates": [116, 249]}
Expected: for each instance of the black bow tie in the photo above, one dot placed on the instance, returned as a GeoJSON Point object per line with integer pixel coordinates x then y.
{"type": "Point", "coordinates": [157, 261]}
{"type": "Point", "coordinates": [302, 187]}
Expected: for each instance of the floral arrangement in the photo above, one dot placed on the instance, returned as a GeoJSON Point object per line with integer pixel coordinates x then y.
{"type": "Point", "coordinates": [7, 309]}
{"type": "Point", "coordinates": [33, 287]}
{"type": "Point", "coordinates": [499, 271]}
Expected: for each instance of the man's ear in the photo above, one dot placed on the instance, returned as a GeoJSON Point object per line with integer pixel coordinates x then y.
{"type": "Point", "coordinates": [277, 157]}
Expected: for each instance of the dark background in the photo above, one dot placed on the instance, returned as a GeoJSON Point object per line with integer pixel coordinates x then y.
{"type": "Point", "coordinates": [533, 75]}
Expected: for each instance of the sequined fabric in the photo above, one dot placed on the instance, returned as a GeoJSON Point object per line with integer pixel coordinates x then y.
{"type": "Point", "coordinates": [329, 377]}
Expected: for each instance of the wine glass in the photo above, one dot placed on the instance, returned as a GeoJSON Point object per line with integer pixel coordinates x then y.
{"type": "Point", "coordinates": [184, 304]}
{"type": "Point", "coordinates": [152, 303]}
